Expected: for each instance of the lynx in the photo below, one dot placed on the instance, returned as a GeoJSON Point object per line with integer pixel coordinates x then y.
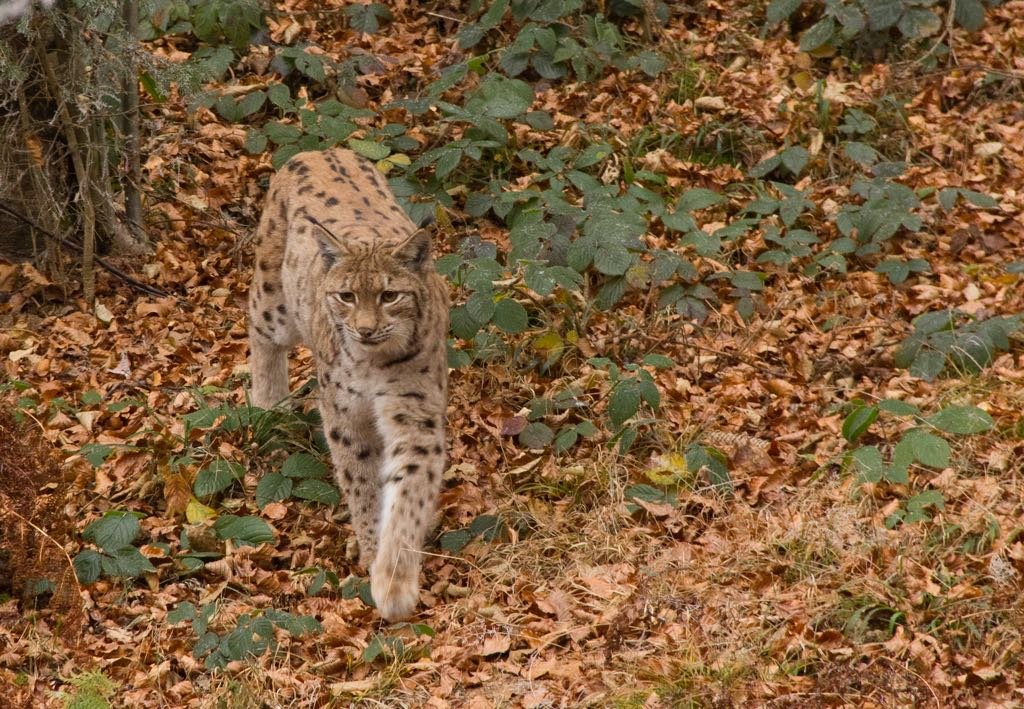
{"type": "Point", "coordinates": [342, 269]}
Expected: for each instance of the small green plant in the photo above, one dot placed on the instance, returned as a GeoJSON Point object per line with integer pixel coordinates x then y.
{"type": "Point", "coordinates": [252, 636]}
{"type": "Point", "coordinates": [114, 534]}
{"type": "Point", "coordinates": [488, 528]}
{"type": "Point", "coordinates": [950, 338]}
{"type": "Point", "coordinates": [89, 690]}
{"type": "Point", "coordinates": [396, 649]}
{"type": "Point", "coordinates": [302, 476]}
{"type": "Point", "coordinates": [847, 23]}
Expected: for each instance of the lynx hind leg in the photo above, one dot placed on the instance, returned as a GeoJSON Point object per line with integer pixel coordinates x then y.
{"type": "Point", "coordinates": [412, 481]}
{"type": "Point", "coordinates": [271, 333]}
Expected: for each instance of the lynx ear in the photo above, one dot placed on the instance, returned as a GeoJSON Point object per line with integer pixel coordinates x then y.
{"type": "Point", "coordinates": [331, 247]}
{"type": "Point", "coordinates": [414, 251]}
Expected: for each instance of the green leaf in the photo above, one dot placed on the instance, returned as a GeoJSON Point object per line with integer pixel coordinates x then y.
{"type": "Point", "coordinates": [316, 491]}
{"type": "Point", "coordinates": [481, 307]}
{"type": "Point", "coordinates": [88, 565]}
{"type": "Point", "coordinates": [964, 420]}
{"type": "Point", "coordinates": [934, 321]}
{"type": "Point", "coordinates": [896, 270]}
{"type": "Point", "coordinates": [454, 542]}
{"type": "Point", "coordinates": [536, 436]}
{"type": "Point", "coordinates": [918, 22]}
{"type": "Point", "coordinates": [91, 398]}
{"type": "Point", "coordinates": [369, 149]}
{"type": "Point", "coordinates": [948, 197]}
{"type": "Point", "coordinates": [184, 611]}
{"type": "Point", "coordinates": [272, 487]}
{"type": "Point", "coordinates": [113, 531]}
{"type": "Point", "coordinates": [858, 422]}
{"type": "Point", "coordinates": [127, 562]}
{"type": "Point", "coordinates": [217, 476]}
{"type": "Point", "coordinates": [280, 96]}
{"type": "Point", "coordinates": [698, 198]}
{"type": "Point", "coordinates": [648, 493]}
{"type": "Point", "coordinates": [566, 439]}
{"type": "Point", "coordinates": [303, 465]}
{"type": "Point", "coordinates": [929, 449]}
{"type": "Point", "coordinates": [624, 402]}
{"type": "Point", "coordinates": [882, 14]}
{"type": "Point", "coordinates": [255, 141]}
{"type": "Point", "coordinates": [281, 133]}
{"type": "Point", "coordinates": [488, 527]}
{"type": "Point", "coordinates": [860, 153]}
{"type": "Point", "coordinates": [928, 364]}
{"type": "Point", "coordinates": [898, 408]}
{"type": "Point", "coordinates": [500, 97]}
{"type": "Point", "coordinates": [96, 453]}
{"type": "Point", "coordinates": [510, 316]}
{"type": "Point", "coordinates": [246, 530]}
{"type": "Point", "coordinates": [818, 35]}
{"type": "Point", "coordinates": [592, 155]}
{"type": "Point", "coordinates": [979, 199]}
{"type": "Point", "coordinates": [251, 103]}
{"type": "Point", "coordinates": [658, 361]}
{"type": "Point", "coordinates": [364, 18]}
{"type": "Point", "coordinates": [795, 158]}
{"type": "Point", "coordinates": [779, 10]}
{"type": "Point", "coordinates": [612, 259]}
{"type": "Point", "coordinates": [868, 461]}
{"type": "Point", "coordinates": [970, 14]}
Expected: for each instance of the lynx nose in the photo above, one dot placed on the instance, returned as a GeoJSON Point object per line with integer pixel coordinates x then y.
{"type": "Point", "coordinates": [364, 332]}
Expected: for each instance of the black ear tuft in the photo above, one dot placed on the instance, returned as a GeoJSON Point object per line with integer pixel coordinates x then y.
{"type": "Point", "coordinates": [414, 251]}
{"type": "Point", "coordinates": [328, 242]}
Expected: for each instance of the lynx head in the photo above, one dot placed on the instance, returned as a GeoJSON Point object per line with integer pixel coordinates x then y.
{"type": "Point", "coordinates": [374, 291]}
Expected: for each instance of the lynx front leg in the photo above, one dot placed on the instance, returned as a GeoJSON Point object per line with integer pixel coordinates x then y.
{"type": "Point", "coordinates": [356, 454]}
{"type": "Point", "coordinates": [268, 367]}
{"type": "Point", "coordinates": [411, 478]}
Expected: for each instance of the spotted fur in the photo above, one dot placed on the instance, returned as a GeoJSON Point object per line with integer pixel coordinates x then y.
{"type": "Point", "coordinates": [342, 269]}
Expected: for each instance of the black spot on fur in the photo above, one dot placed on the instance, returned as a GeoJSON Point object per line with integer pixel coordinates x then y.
{"type": "Point", "coordinates": [419, 450]}
{"type": "Point", "coordinates": [282, 308]}
{"type": "Point", "coordinates": [335, 435]}
{"type": "Point", "coordinates": [263, 265]}
{"type": "Point", "coordinates": [430, 424]}
{"type": "Point", "coordinates": [332, 202]}
{"type": "Point", "coordinates": [412, 469]}
{"type": "Point", "coordinates": [366, 200]}
{"type": "Point", "coordinates": [431, 475]}
{"type": "Point", "coordinates": [267, 316]}
{"type": "Point", "coordinates": [400, 418]}
{"type": "Point", "coordinates": [348, 476]}
{"type": "Point", "coordinates": [414, 395]}
{"type": "Point", "coordinates": [364, 453]}
{"type": "Point", "coordinates": [268, 287]}
{"type": "Point", "coordinates": [346, 441]}
{"type": "Point", "coordinates": [437, 450]}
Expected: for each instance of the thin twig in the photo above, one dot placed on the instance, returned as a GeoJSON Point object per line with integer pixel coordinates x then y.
{"type": "Point", "coordinates": [138, 285]}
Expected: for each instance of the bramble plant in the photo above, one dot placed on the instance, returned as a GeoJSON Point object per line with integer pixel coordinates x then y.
{"type": "Point", "coordinates": [918, 445]}
{"type": "Point", "coordinates": [252, 636]}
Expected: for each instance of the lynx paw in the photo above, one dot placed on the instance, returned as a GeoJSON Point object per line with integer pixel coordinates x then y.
{"type": "Point", "coordinates": [395, 588]}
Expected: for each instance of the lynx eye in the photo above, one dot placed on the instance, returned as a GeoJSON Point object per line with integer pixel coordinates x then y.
{"type": "Point", "coordinates": [346, 296]}
{"type": "Point", "coordinates": [389, 296]}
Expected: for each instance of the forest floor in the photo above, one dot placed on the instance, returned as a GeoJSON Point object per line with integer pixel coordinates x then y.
{"type": "Point", "coordinates": [799, 586]}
